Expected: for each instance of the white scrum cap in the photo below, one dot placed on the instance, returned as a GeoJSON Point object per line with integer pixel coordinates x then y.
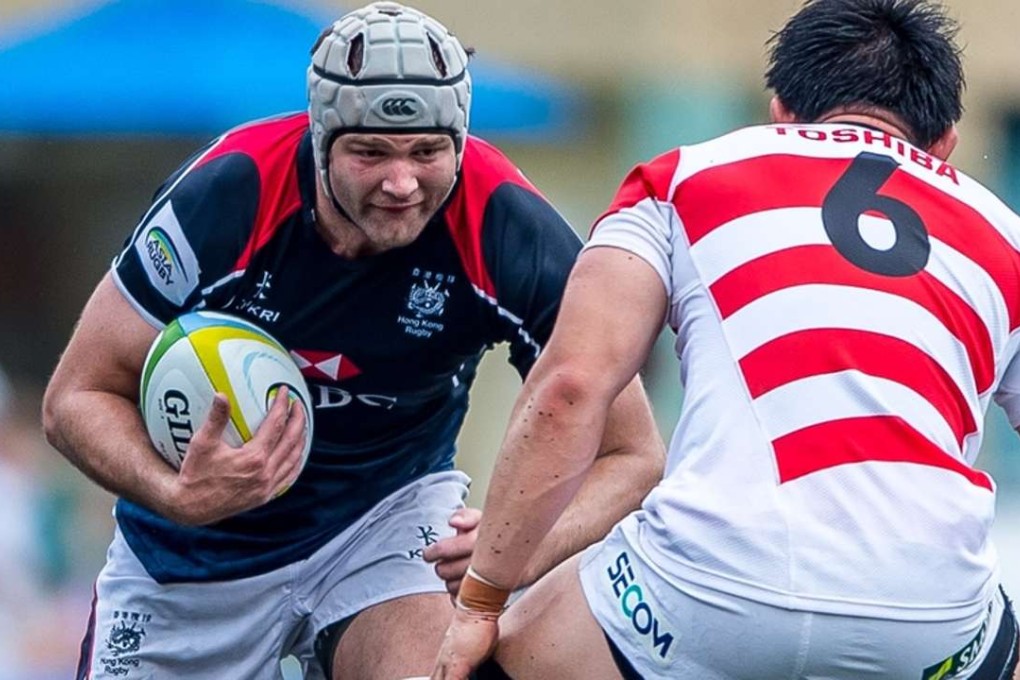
{"type": "Point", "coordinates": [387, 68]}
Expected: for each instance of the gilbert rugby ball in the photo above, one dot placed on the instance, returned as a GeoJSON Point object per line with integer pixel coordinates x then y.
{"type": "Point", "coordinates": [201, 353]}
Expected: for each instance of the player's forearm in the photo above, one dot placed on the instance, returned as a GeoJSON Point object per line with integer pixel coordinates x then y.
{"type": "Point", "coordinates": [605, 497]}
{"type": "Point", "coordinates": [103, 436]}
{"type": "Point", "coordinates": [628, 466]}
{"type": "Point", "coordinates": [564, 419]}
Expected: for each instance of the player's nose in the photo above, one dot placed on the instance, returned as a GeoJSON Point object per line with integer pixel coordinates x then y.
{"type": "Point", "coordinates": [400, 180]}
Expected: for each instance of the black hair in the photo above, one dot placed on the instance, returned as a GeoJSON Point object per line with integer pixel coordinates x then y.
{"type": "Point", "coordinates": [896, 55]}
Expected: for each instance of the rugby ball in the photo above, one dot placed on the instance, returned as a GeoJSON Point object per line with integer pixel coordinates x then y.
{"type": "Point", "coordinates": [200, 354]}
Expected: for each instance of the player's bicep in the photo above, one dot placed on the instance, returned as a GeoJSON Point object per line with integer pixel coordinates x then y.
{"type": "Point", "coordinates": [612, 312]}
{"type": "Point", "coordinates": [107, 349]}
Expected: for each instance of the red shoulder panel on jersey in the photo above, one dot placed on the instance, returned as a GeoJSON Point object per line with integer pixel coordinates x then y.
{"type": "Point", "coordinates": [648, 180]}
{"type": "Point", "coordinates": [272, 144]}
{"type": "Point", "coordinates": [862, 440]}
{"type": "Point", "coordinates": [483, 170]}
{"type": "Point", "coordinates": [821, 264]}
{"type": "Point", "coordinates": [721, 194]}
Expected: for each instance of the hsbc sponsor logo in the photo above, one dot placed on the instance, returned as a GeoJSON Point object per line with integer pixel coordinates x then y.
{"type": "Point", "coordinates": [334, 367]}
{"type": "Point", "coordinates": [331, 396]}
{"type": "Point", "coordinates": [319, 365]}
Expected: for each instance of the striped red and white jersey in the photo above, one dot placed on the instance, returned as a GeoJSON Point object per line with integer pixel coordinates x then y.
{"type": "Point", "coordinates": [845, 307]}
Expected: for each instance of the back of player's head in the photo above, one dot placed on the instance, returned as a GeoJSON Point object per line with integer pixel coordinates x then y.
{"type": "Point", "coordinates": [387, 68]}
{"type": "Point", "coordinates": [897, 55]}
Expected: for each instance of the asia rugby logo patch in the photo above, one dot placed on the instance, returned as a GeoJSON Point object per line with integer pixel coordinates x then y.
{"type": "Point", "coordinates": [162, 255]}
{"type": "Point", "coordinates": [166, 256]}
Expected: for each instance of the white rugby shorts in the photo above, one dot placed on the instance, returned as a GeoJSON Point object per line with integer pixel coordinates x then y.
{"type": "Point", "coordinates": [140, 629]}
{"type": "Point", "coordinates": [669, 628]}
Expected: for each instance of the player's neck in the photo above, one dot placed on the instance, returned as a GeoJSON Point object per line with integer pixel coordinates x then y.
{"type": "Point", "coordinates": [343, 238]}
{"type": "Point", "coordinates": [881, 121]}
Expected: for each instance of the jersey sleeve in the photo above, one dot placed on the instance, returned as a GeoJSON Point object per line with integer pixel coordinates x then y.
{"type": "Point", "coordinates": [529, 250]}
{"type": "Point", "coordinates": [640, 218]}
{"type": "Point", "coordinates": [190, 238]}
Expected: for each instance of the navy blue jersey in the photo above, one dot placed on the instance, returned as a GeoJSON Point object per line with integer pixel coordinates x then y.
{"type": "Point", "coordinates": [389, 343]}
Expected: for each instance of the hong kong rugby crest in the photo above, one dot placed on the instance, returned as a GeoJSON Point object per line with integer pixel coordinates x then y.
{"type": "Point", "coordinates": [119, 654]}
{"type": "Point", "coordinates": [425, 304]}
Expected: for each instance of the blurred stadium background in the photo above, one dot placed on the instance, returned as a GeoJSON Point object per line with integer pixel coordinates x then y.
{"type": "Point", "coordinates": [100, 100]}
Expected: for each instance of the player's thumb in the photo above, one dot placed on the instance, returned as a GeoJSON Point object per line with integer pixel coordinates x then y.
{"type": "Point", "coordinates": [466, 519]}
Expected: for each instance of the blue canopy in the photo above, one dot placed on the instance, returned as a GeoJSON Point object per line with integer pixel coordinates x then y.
{"type": "Point", "coordinates": [201, 66]}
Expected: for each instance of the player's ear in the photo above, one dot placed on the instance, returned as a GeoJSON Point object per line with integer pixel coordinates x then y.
{"type": "Point", "coordinates": [778, 113]}
{"type": "Point", "coordinates": [945, 144]}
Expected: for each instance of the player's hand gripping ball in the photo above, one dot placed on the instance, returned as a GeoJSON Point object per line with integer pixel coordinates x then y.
{"type": "Point", "coordinates": [200, 354]}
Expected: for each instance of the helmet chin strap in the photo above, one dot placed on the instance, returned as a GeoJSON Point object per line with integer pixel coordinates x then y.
{"type": "Point", "coordinates": [328, 188]}
{"type": "Point", "coordinates": [340, 209]}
